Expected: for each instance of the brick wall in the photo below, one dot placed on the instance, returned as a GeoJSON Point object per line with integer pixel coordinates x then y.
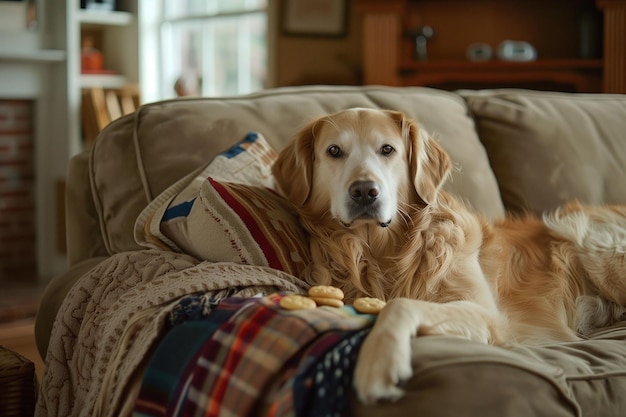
{"type": "Point", "coordinates": [17, 190]}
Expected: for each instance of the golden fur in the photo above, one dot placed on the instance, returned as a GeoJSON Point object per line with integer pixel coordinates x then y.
{"type": "Point", "coordinates": [367, 186]}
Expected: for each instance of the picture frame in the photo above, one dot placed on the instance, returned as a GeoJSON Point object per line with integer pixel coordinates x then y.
{"type": "Point", "coordinates": [327, 18]}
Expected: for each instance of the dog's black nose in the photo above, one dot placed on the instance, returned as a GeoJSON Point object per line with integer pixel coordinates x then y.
{"type": "Point", "coordinates": [364, 193]}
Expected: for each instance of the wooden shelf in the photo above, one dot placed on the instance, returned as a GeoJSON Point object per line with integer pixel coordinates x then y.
{"type": "Point", "coordinates": [463, 65]}
{"type": "Point", "coordinates": [582, 75]}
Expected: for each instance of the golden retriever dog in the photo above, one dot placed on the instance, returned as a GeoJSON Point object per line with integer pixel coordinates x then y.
{"type": "Point", "coordinates": [367, 185]}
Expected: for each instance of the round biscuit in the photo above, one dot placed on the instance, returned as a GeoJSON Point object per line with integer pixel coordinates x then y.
{"type": "Point", "coordinates": [326, 291]}
{"type": "Point", "coordinates": [327, 301]}
{"type": "Point", "coordinates": [297, 302]}
{"type": "Point", "coordinates": [369, 305]}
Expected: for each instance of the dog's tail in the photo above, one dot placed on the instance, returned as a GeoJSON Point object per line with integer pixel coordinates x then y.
{"type": "Point", "coordinates": [597, 238]}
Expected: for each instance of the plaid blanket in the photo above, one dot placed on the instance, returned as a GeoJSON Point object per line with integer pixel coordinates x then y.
{"type": "Point", "coordinates": [245, 355]}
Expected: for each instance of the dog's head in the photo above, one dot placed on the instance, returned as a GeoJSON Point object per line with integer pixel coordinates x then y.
{"type": "Point", "coordinates": [361, 165]}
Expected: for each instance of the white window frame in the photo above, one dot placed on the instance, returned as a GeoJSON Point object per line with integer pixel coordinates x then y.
{"type": "Point", "coordinates": [153, 78]}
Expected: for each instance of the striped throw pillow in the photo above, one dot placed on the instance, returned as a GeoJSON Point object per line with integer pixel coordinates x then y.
{"type": "Point", "coordinates": [228, 212]}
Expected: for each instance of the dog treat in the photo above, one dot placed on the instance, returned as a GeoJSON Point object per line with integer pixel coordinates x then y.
{"type": "Point", "coordinates": [326, 291]}
{"type": "Point", "coordinates": [369, 305]}
{"type": "Point", "coordinates": [297, 302]}
{"type": "Point", "coordinates": [327, 301]}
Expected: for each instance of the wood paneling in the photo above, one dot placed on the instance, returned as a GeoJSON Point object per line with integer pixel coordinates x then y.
{"type": "Point", "coordinates": [380, 48]}
{"type": "Point", "coordinates": [614, 45]}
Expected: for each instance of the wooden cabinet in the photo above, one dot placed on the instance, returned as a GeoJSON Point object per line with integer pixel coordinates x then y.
{"type": "Point", "coordinates": [580, 44]}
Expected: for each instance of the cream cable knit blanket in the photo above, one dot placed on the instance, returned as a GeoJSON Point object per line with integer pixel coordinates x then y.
{"type": "Point", "coordinates": [113, 317]}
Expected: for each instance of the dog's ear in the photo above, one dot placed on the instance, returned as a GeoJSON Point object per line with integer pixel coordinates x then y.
{"type": "Point", "coordinates": [293, 169]}
{"type": "Point", "coordinates": [430, 164]}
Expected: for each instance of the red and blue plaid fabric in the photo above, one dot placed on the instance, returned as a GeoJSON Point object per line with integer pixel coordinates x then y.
{"type": "Point", "coordinates": [253, 353]}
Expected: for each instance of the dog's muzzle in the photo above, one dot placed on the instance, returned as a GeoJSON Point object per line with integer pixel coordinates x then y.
{"type": "Point", "coordinates": [364, 196]}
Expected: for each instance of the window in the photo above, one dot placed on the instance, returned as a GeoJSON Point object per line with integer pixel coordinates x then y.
{"type": "Point", "coordinates": [210, 47]}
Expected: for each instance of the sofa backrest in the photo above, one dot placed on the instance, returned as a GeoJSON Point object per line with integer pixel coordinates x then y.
{"type": "Point", "coordinates": [547, 148]}
{"type": "Point", "coordinates": [544, 148]}
{"type": "Point", "coordinates": [138, 156]}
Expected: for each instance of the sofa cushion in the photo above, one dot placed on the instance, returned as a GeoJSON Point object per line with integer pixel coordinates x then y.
{"type": "Point", "coordinates": [137, 157]}
{"type": "Point", "coordinates": [228, 212]}
{"type": "Point", "coordinates": [454, 376]}
{"type": "Point", "coordinates": [548, 148]}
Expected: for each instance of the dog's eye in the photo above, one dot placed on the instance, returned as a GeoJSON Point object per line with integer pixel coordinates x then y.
{"type": "Point", "coordinates": [387, 150]}
{"type": "Point", "coordinates": [334, 151]}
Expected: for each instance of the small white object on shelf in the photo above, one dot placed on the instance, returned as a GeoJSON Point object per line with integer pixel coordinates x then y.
{"type": "Point", "coordinates": [518, 51]}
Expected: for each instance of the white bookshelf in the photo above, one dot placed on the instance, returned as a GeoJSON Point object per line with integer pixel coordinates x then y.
{"type": "Point", "coordinates": [60, 29]}
{"type": "Point", "coordinates": [118, 36]}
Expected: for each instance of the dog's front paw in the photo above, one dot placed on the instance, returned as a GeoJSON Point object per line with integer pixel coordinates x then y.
{"type": "Point", "coordinates": [384, 363]}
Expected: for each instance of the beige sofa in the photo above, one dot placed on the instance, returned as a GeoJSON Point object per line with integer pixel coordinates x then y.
{"type": "Point", "coordinates": [513, 150]}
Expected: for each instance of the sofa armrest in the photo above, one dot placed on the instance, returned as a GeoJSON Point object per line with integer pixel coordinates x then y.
{"type": "Point", "coordinates": [52, 299]}
{"type": "Point", "coordinates": [84, 237]}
